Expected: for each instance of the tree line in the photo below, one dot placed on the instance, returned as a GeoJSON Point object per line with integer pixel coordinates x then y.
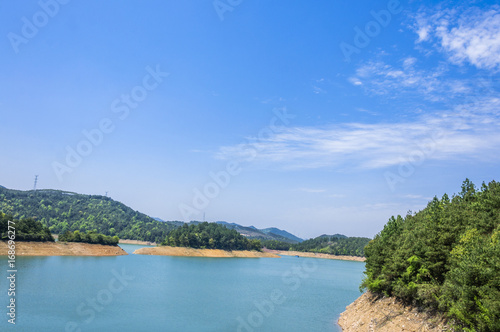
{"type": "Point", "coordinates": [25, 229]}
{"type": "Point", "coordinates": [89, 237]}
{"type": "Point", "coordinates": [209, 236]}
{"type": "Point", "coordinates": [333, 245]}
{"type": "Point", "coordinates": [445, 257]}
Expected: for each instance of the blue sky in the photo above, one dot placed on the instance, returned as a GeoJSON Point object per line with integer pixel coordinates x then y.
{"type": "Point", "coordinates": [324, 117]}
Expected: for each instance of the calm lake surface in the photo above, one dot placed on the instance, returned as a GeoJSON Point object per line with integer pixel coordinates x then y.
{"type": "Point", "coordinates": [146, 293]}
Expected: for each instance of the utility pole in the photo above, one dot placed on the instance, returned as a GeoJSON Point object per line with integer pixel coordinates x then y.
{"type": "Point", "coordinates": [36, 180]}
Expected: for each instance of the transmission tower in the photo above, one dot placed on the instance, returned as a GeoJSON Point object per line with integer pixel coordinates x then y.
{"type": "Point", "coordinates": [36, 180]}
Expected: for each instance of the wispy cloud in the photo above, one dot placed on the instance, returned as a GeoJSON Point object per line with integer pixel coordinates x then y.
{"type": "Point", "coordinates": [467, 132]}
{"type": "Point", "coordinates": [380, 78]}
{"type": "Point", "coordinates": [466, 35]}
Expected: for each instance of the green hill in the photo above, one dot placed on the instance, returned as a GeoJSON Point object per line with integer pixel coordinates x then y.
{"type": "Point", "coordinates": [252, 232]}
{"type": "Point", "coordinates": [209, 236]}
{"type": "Point", "coordinates": [63, 211]}
{"type": "Point", "coordinates": [445, 257]}
{"type": "Point", "coordinates": [337, 244]}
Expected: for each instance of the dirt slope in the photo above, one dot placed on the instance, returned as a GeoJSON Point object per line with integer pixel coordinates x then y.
{"type": "Point", "coordinates": [62, 249]}
{"type": "Point", "coordinates": [316, 255]}
{"type": "Point", "coordinates": [190, 252]}
{"type": "Point", "coordinates": [369, 313]}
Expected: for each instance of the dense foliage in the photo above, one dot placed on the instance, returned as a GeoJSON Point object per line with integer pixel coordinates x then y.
{"type": "Point", "coordinates": [89, 237]}
{"type": "Point", "coordinates": [25, 229]}
{"type": "Point", "coordinates": [334, 245]}
{"type": "Point", "coordinates": [209, 236]}
{"type": "Point", "coordinates": [445, 257]}
{"type": "Point", "coordinates": [64, 211]}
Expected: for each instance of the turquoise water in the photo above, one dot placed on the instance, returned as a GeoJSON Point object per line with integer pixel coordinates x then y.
{"type": "Point", "coordinates": [144, 293]}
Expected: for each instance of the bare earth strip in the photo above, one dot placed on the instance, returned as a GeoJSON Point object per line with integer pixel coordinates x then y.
{"type": "Point", "coordinates": [370, 313]}
{"type": "Point", "coordinates": [315, 255]}
{"type": "Point", "coordinates": [61, 249]}
{"type": "Point", "coordinates": [191, 252]}
{"type": "Point", "coordinates": [142, 243]}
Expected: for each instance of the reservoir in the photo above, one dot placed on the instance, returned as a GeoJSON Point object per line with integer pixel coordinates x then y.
{"type": "Point", "coordinates": [145, 293]}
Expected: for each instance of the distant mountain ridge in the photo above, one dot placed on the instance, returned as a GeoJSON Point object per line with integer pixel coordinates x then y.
{"type": "Point", "coordinates": [283, 233]}
{"type": "Point", "coordinates": [63, 210]}
{"type": "Point", "coordinates": [271, 233]}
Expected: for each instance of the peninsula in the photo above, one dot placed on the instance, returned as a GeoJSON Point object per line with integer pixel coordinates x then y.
{"type": "Point", "coordinates": [192, 252]}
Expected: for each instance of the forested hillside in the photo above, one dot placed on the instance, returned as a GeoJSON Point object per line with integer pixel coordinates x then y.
{"type": "Point", "coordinates": [209, 236]}
{"type": "Point", "coordinates": [445, 257]}
{"type": "Point", "coordinates": [335, 245]}
{"type": "Point", "coordinates": [64, 211]}
{"type": "Point", "coordinates": [271, 233]}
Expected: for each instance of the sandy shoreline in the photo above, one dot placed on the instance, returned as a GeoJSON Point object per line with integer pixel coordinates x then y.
{"type": "Point", "coordinates": [61, 249]}
{"type": "Point", "coordinates": [315, 255]}
{"type": "Point", "coordinates": [142, 243]}
{"type": "Point", "coordinates": [386, 314]}
{"type": "Point", "coordinates": [191, 252]}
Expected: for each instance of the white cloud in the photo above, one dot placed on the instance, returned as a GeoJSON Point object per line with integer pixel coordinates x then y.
{"type": "Point", "coordinates": [380, 78]}
{"type": "Point", "coordinates": [468, 132]}
{"type": "Point", "coordinates": [469, 35]}
{"type": "Point", "coordinates": [318, 90]}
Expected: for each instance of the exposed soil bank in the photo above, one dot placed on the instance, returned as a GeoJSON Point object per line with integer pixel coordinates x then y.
{"type": "Point", "coordinates": [142, 243]}
{"type": "Point", "coordinates": [370, 313]}
{"type": "Point", "coordinates": [315, 255]}
{"type": "Point", "coordinates": [61, 249]}
{"type": "Point", "coordinates": [191, 252]}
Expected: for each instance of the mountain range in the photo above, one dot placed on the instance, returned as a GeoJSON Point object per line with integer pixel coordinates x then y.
{"type": "Point", "coordinates": [68, 211]}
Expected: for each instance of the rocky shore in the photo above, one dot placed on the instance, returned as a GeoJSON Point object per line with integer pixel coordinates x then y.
{"type": "Point", "coordinates": [61, 249]}
{"type": "Point", "coordinates": [386, 314]}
